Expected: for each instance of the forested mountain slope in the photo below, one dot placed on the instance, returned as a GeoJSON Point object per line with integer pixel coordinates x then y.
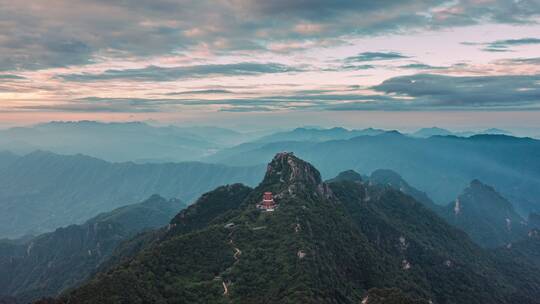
{"type": "Point", "coordinates": [325, 243]}
{"type": "Point", "coordinates": [49, 263]}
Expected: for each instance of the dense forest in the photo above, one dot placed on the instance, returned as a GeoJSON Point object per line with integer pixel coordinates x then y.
{"type": "Point", "coordinates": [345, 241]}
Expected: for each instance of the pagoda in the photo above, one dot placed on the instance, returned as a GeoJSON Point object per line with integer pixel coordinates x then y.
{"type": "Point", "coordinates": [267, 203]}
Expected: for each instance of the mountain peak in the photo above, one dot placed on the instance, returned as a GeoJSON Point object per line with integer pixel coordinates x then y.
{"type": "Point", "coordinates": [288, 175]}
{"type": "Point", "coordinates": [386, 176]}
{"type": "Point", "coordinates": [477, 183]}
{"type": "Point", "coordinates": [488, 217]}
{"type": "Point", "coordinates": [287, 168]}
{"type": "Point", "coordinates": [349, 175]}
{"type": "Point", "coordinates": [484, 195]}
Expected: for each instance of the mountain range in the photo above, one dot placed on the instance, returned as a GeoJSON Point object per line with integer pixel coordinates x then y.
{"type": "Point", "coordinates": [345, 241]}
{"type": "Point", "coordinates": [317, 134]}
{"type": "Point", "coordinates": [42, 191]}
{"type": "Point", "coordinates": [52, 262]}
{"type": "Point", "coordinates": [436, 131]}
{"type": "Point", "coordinates": [392, 179]}
{"type": "Point", "coordinates": [441, 166]}
{"type": "Point", "coordinates": [486, 216]}
{"type": "Point", "coordinates": [131, 141]}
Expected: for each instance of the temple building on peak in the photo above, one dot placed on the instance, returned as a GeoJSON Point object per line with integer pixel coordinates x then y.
{"type": "Point", "coordinates": [267, 203]}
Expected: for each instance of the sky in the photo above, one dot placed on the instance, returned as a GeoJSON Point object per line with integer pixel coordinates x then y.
{"type": "Point", "coordinates": [256, 63]}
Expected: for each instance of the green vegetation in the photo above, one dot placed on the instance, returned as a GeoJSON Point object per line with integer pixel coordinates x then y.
{"type": "Point", "coordinates": [61, 190]}
{"type": "Point", "coordinates": [52, 262]}
{"type": "Point", "coordinates": [442, 166]}
{"type": "Point", "coordinates": [325, 243]}
{"type": "Point", "coordinates": [487, 217]}
{"type": "Point", "coordinates": [390, 296]}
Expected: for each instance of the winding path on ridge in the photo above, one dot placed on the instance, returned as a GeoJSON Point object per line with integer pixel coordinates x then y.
{"type": "Point", "coordinates": [236, 256]}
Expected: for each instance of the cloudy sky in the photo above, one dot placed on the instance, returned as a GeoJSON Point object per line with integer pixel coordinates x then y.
{"type": "Point", "coordinates": [386, 63]}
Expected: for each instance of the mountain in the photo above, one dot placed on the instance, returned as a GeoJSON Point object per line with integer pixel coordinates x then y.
{"type": "Point", "coordinates": [433, 131]}
{"type": "Point", "coordinates": [486, 216]}
{"type": "Point", "coordinates": [495, 131]}
{"type": "Point", "coordinates": [342, 242]}
{"type": "Point", "coordinates": [221, 136]}
{"type": "Point", "coordinates": [207, 208]}
{"type": "Point", "coordinates": [394, 180]}
{"type": "Point", "coordinates": [390, 296]}
{"type": "Point", "coordinates": [317, 134]}
{"type": "Point", "coordinates": [6, 158]}
{"type": "Point", "coordinates": [387, 178]}
{"type": "Point", "coordinates": [527, 251]}
{"type": "Point", "coordinates": [534, 220]}
{"type": "Point", "coordinates": [42, 191]}
{"type": "Point", "coordinates": [130, 141]}
{"type": "Point", "coordinates": [441, 166]}
{"type": "Point", "coordinates": [299, 135]}
{"type": "Point", "coordinates": [349, 175]}
{"type": "Point", "coordinates": [51, 262]}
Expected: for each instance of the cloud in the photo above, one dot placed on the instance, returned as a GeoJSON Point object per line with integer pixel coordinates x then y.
{"type": "Point", "coordinates": [201, 92]}
{"type": "Point", "coordinates": [533, 61]}
{"type": "Point", "coordinates": [352, 67]}
{"type": "Point", "coordinates": [375, 56]}
{"type": "Point", "coordinates": [10, 77]}
{"type": "Point", "coordinates": [244, 109]}
{"type": "Point", "coordinates": [421, 66]}
{"type": "Point", "coordinates": [156, 73]}
{"type": "Point", "coordinates": [102, 105]}
{"type": "Point", "coordinates": [87, 108]}
{"type": "Point", "coordinates": [510, 42]}
{"type": "Point", "coordinates": [470, 92]}
{"type": "Point", "coordinates": [34, 35]}
{"type": "Point", "coordinates": [504, 45]}
{"type": "Point", "coordinates": [404, 93]}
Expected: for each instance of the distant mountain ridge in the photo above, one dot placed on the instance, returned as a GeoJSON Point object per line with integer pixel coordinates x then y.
{"type": "Point", "coordinates": [49, 263]}
{"type": "Point", "coordinates": [436, 131]}
{"type": "Point", "coordinates": [43, 191]}
{"type": "Point", "coordinates": [441, 165]}
{"type": "Point", "coordinates": [7, 158]}
{"type": "Point", "coordinates": [342, 242]}
{"type": "Point", "coordinates": [318, 134]}
{"type": "Point", "coordinates": [392, 179]}
{"type": "Point", "coordinates": [125, 141]}
{"type": "Point", "coordinates": [486, 216]}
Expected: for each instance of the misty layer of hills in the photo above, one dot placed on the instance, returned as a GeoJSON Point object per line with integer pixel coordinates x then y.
{"type": "Point", "coordinates": [440, 165]}
{"type": "Point", "coordinates": [347, 240]}
{"type": "Point", "coordinates": [50, 263]}
{"type": "Point", "coordinates": [135, 141]}
{"type": "Point", "coordinates": [142, 142]}
{"type": "Point", "coordinates": [468, 200]}
{"type": "Point", "coordinates": [483, 213]}
{"type": "Point", "coordinates": [435, 131]}
{"type": "Point", "coordinates": [42, 191]}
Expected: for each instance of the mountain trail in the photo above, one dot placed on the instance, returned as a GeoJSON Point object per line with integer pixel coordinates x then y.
{"type": "Point", "coordinates": [225, 288]}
